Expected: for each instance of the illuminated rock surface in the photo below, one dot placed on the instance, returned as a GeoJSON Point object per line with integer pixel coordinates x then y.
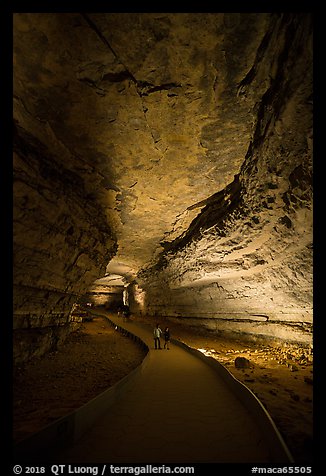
{"type": "Point", "coordinates": [173, 149]}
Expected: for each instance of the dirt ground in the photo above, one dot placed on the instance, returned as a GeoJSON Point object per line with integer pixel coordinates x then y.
{"type": "Point", "coordinates": [92, 359]}
{"type": "Point", "coordinates": [96, 356]}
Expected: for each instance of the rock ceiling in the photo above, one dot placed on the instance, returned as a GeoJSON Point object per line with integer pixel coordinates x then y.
{"type": "Point", "coordinates": [147, 104]}
{"type": "Point", "coordinates": [167, 123]}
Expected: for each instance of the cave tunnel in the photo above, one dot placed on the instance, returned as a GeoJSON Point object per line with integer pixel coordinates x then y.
{"type": "Point", "coordinates": [169, 154]}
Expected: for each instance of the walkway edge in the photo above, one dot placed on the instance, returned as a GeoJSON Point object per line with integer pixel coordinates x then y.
{"type": "Point", "coordinates": [276, 443]}
{"type": "Point", "coordinates": [68, 429]}
{"type": "Point", "coordinates": [279, 449]}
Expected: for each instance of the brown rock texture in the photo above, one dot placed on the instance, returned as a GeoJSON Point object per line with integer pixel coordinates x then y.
{"type": "Point", "coordinates": [96, 356]}
{"type": "Point", "coordinates": [173, 149]}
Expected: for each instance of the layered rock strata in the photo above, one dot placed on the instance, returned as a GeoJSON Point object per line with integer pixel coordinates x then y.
{"type": "Point", "coordinates": [245, 263]}
{"type": "Point", "coordinates": [61, 244]}
{"type": "Point", "coordinates": [174, 146]}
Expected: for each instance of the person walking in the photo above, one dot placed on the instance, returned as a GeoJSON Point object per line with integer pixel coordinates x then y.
{"type": "Point", "coordinates": [125, 312]}
{"type": "Point", "coordinates": [166, 338]}
{"type": "Point", "coordinates": [157, 337]}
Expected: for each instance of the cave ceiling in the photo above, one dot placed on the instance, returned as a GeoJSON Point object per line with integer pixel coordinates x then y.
{"type": "Point", "coordinates": [144, 107]}
{"type": "Point", "coordinates": [150, 110]}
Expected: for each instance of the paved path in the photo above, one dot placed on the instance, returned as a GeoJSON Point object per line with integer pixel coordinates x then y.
{"type": "Point", "coordinates": [177, 410]}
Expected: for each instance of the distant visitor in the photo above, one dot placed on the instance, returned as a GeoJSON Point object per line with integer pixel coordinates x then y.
{"type": "Point", "coordinates": [125, 311]}
{"type": "Point", "coordinates": [166, 338]}
{"type": "Point", "coordinates": [157, 337]}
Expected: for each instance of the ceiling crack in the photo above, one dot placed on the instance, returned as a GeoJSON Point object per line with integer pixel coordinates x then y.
{"type": "Point", "coordinates": [143, 88]}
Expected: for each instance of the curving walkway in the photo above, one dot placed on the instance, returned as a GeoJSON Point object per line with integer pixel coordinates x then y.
{"type": "Point", "coordinates": [176, 410]}
{"type": "Point", "coordinates": [178, 406]}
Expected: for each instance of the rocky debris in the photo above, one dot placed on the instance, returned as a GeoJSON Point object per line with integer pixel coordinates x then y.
{"type": "Point", "coordinates": [241, 363]}
{"type": "Point", "coordinates": [293, 368]}
{"type": "Point", "coordinates": [294, 396]}
{"type": "Point", "coordinates": [292, 356]}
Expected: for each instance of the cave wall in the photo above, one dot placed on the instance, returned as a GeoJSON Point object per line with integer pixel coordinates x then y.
{"type": "Point", "coordinates": [61, 245]}
{"type": "Point", "coordinates": [177, 146]}
{"type": "Point", "coordinates": [110, 297]}
{"type": "Point", "coordinates": [245, 263]}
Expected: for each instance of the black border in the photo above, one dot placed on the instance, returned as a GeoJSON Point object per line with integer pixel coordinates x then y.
{"type": "Point", "coordinates": [6, 88]}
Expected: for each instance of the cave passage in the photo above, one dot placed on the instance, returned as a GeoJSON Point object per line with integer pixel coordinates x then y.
{"type": "Point", "coordinates": [177, 407]}
{"type": "Point", "coordinates": [163, 161]}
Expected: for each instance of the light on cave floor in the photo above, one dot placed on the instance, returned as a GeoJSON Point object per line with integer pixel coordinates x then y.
{"type": "Point", "coordinates": [207, 352]}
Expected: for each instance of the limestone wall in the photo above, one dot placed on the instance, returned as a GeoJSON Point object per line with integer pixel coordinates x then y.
{"type": "Point", "coordinates": [245, 261]}
{"type": "Point", "coordinates": [61, 245]}
{"type": "Point", "coordinates": [177, 146]}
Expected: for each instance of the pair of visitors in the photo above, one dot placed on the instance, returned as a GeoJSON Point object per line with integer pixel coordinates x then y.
{"type": "Point", "coordinates": [157, 337]}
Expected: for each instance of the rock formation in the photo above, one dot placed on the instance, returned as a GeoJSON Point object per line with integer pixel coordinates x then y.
{"type": "Point", "coordinates": [174, 149]}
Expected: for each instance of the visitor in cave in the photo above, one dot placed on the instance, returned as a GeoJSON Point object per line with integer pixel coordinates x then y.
{"type": "Point", "coordinates": [157, 337]}
{"type": "Point", "coordinates": [125, 312]}
{"type": "Point", "coordinates": [166, 338]}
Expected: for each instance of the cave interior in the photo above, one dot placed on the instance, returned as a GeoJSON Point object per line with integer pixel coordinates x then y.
{"type": "Point", "coordinates": [163, 160]}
